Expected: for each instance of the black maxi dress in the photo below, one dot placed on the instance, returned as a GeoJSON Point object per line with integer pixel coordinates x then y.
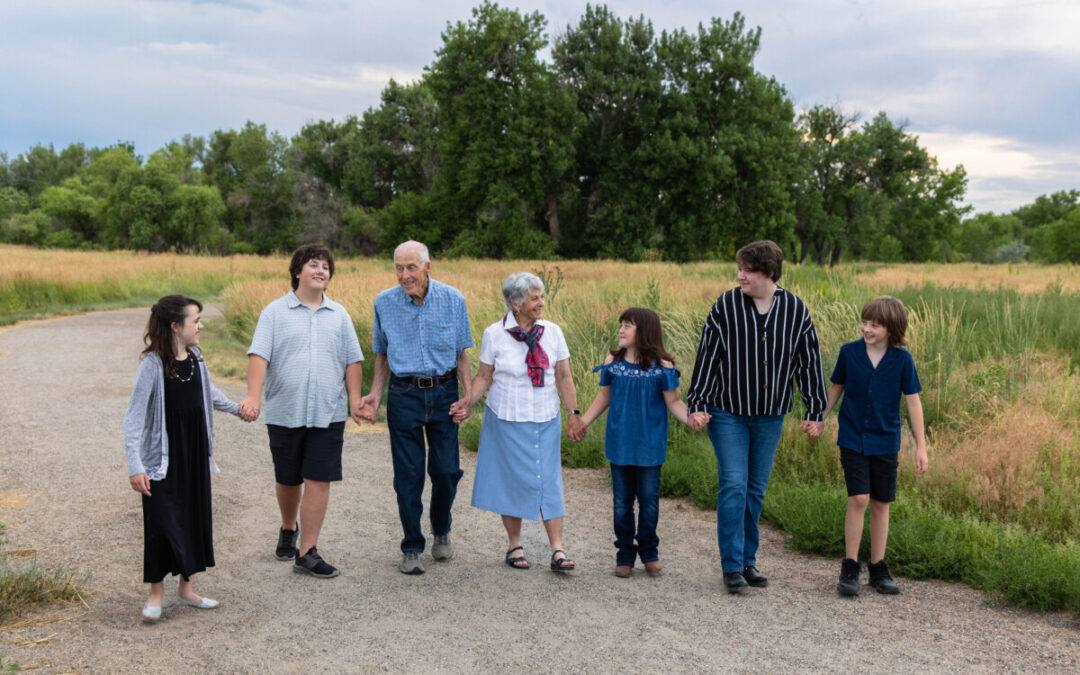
{"type": "Point", "coordinates": [177, 528]}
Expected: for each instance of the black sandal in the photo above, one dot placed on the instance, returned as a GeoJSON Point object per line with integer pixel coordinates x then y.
{"type": "Point", "coordinates": [514, 562]}
{"type": "Point", "coordinates": [563, 564]}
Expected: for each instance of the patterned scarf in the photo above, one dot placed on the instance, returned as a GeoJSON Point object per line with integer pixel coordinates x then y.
{"type": "Point", "coordinates": [536, 359]}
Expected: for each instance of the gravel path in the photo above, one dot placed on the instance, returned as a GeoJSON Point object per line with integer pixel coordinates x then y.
{"type": "Point", "coordinates": [64, 492]}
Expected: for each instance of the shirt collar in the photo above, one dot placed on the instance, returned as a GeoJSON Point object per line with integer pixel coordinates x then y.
{"type": "Point", "coordinates": [293, 301]}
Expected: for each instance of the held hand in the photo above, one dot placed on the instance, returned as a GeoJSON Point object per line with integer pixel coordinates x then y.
{"type": "Point", "coordinates": [698, 420]}
{"type": "Point", "coordinates": [812, 429]}
{"type": "Point", "coordinates": [574, 427]}
{"type": "Point", "coordinates": [922, 462]}
{"type": "Point", "coordinates": [356, 410]}
{"type": "Point", "coordinates": [140, 483]}
{"type": "Point", "coordinates": [578, 434]}
{"type": "Point", "coordinates": [249, 409]}
{"type": "Point", "coordinates": [460, 410]}
{"type": "Point", "coordinates": [369, 408]}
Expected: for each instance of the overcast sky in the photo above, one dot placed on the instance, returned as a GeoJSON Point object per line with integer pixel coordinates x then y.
{"type": "Point", "coordinates": [990, 84]}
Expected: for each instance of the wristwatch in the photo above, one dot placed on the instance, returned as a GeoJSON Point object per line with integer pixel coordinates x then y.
{"type": "Point", "coordinates": [575, 411]}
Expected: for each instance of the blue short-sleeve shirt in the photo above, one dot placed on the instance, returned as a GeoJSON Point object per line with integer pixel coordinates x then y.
{"type": "Point", "coordinates": [637, 419]}
{"type": "Point", "coordinates": [870, 413]}
{"type": "Point", "coordinates": [307, 352]}
{"type": "Point", "coordinates": [421, 340]}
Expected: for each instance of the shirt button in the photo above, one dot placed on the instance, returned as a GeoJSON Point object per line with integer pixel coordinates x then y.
{"type": "Point", "coordinates": [537, 475]}
{"type": "Point", "coordinates": [537, 445]}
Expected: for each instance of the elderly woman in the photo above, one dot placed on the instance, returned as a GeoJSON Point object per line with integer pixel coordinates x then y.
{"type": "Point", "coordinates": [525, 362]}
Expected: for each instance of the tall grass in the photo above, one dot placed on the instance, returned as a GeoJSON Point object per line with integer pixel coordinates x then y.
{"type": "Point", "coordinates": [28, 586]}
{"type": "Point", "coordinates": [38, 282]}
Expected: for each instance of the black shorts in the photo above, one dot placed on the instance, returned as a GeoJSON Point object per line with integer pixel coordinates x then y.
{"type": "Point", "coordinates": [874, 475]}
{"type": "Point", "coordinates": [306, 453]}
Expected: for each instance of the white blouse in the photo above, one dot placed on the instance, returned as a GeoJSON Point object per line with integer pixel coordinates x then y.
{"type": "Point", "coordinates": [512, 397]}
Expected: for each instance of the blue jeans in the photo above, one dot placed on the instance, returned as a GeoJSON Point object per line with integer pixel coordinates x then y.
{"type": "Point", "coordinates": [642, 482]}
{"type": "Point", "coordinates": [745, 447]}
{"type": "Point", "coordinates": [410, 412]}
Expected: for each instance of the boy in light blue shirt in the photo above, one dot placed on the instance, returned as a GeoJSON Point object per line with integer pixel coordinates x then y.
{"type": "Point", "coordinates": [306, 353]}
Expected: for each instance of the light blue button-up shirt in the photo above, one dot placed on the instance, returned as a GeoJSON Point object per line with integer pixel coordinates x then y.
{"type": "Point", "coordinates": [421, 340]}
{"type": "Point", "coordinates": [307, 352]}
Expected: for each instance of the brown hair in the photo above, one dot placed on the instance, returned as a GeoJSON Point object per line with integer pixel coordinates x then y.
{"type": "Point", "coordinates": [159, 336]}
{"type": "Point", "coordinates": [305, 253]}
{"type": "Point", "coordinates": [889, 312]}
{"type": "Point", "coordinates": [761, 256]}
{"type": "Point", "coordinates": [648, 338]}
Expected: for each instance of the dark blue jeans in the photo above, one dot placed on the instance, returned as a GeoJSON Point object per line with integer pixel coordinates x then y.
{"type": "Point", "coordinates": [642, 482]}
{"type": "Point", "coordinates": [745, 447]}
{"type": "Point", "coordinates": [411, 413]}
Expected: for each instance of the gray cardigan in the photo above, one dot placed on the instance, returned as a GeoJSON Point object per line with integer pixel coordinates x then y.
{"type": "Point", "coordinates": [145, 441]}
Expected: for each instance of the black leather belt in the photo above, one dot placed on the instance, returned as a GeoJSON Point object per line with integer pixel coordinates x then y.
{"type": "Point", "coordinates": [427, 381]}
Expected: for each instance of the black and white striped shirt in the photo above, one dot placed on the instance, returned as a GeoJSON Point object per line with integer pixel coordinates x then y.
{"type": "Point", "coordinates": [745, 366]}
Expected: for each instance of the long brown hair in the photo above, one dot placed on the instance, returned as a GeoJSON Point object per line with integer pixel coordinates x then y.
{"type": "Point", "coordinates": [648, 338]}
{"type": "Point", "coordinates": [159, 336]}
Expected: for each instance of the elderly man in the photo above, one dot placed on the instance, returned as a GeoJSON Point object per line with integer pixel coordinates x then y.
{"type": "Point", "coordinates": [420, 337]}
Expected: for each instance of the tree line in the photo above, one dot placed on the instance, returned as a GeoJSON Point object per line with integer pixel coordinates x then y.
{"type": "Point", "coordinates": [627, 144]}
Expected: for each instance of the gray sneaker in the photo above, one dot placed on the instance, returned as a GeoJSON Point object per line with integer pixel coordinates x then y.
{"type": "Point", "coordinates": [410, 563]}
{"type": "Point", "coordinates": [443, 550]}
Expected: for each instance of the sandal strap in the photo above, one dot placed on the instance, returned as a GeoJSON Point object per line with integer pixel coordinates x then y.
{"type": "Point", "coordinates": [516, 548]}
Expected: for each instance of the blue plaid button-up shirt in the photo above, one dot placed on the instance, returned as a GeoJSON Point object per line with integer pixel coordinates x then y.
{"type": "Point", "coordinates": [421, 340]}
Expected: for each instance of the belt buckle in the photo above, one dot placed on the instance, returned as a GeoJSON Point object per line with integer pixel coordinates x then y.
{"type": "Point", "coordinates": [425, 382]}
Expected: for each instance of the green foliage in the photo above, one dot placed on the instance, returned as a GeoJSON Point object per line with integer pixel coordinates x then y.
{"type": "Point", "coordinates": [31, 586]}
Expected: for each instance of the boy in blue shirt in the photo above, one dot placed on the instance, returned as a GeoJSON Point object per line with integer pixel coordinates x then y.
{"type": "Point", "coordinates": [872, 373]}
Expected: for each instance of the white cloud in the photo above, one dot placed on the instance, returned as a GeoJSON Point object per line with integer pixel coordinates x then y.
{"type": "Point", "coordinates": [186, 48]}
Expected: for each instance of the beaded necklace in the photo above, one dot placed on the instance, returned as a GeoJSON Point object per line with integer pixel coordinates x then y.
{"type": "Point", "coordinates": [190, 359]}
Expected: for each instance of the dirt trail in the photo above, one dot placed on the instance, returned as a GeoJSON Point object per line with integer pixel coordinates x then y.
{"type": "Point", "coordinates": [64, 492]}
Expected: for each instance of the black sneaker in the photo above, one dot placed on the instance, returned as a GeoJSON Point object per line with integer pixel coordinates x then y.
{"type": "Point", "coordinates": [881, 579]}
{"type": "Point", "coordinates": [849, 577]}
{"type": "Point", "coordinates": [286, 544]}
{"type": "Point", "coordinates": [313, 564]}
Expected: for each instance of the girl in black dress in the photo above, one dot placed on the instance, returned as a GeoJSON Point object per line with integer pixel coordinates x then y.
{"type": "Point", "coordinates": [169, 430]}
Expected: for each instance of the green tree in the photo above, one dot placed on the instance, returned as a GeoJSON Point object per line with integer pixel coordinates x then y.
{"type": "Point", "coordinates": [258, 180]}
{"type": "Point", "coordinates": [504, 143]}
{"type": "Point", "coordinates": [725, 152]}
{"type": "Point", "coordinates": [610, 67]}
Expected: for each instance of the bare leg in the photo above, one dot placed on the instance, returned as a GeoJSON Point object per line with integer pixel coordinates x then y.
{"type": "Point", "coordinates": [513, 530]}
{"type": "Point", "coordinates": [313, 512]}
{"type": "Point", "coordinates": [554, 529]}
{"type": "Point", "coordinates": [288, 499]}
{"type": "Point", "coordinates": [879, 529]}
{"type": "Point", "coordinates": [157, 594]}
{"type": "Point", "coordinates": [853, 524]}
{"type": "Point", "coordinates": [184, 590]}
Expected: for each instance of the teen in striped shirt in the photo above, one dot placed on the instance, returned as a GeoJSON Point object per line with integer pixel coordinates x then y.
{"type": "Point", "coordinates": [755, 340]}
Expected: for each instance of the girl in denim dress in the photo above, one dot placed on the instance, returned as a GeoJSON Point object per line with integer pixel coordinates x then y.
{"type": "Point", "coordinates": [639, 383]}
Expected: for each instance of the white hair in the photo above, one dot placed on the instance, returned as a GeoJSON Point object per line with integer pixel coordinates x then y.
{"type": "Point", "coordinates": [413, 246]}
{"type": "Point", "coordinates": [517, 286]}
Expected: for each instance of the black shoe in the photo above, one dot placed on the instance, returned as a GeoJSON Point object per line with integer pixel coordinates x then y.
{"type": "Point", "coordinates": [754, 578]}
{"type": "Point", "coordinates": [849, 577]}
{"type": "Point", "coordinates": [881, 579]}
{"type": "Point", "coordinates": [735, 582]}
{"type": "Point", "coordinates": [286, 544]}
{"type": "Point", "coordinates": [313, 564]}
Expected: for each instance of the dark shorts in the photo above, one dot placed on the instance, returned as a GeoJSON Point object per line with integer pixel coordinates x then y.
{"type": "Point", "coordinates": [307, 453]}
{"type": "Point", "coordinates": [874, 475]}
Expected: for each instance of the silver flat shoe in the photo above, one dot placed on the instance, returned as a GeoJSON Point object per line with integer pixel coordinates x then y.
{"type": "Point", "coordinates": [151, 614]}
